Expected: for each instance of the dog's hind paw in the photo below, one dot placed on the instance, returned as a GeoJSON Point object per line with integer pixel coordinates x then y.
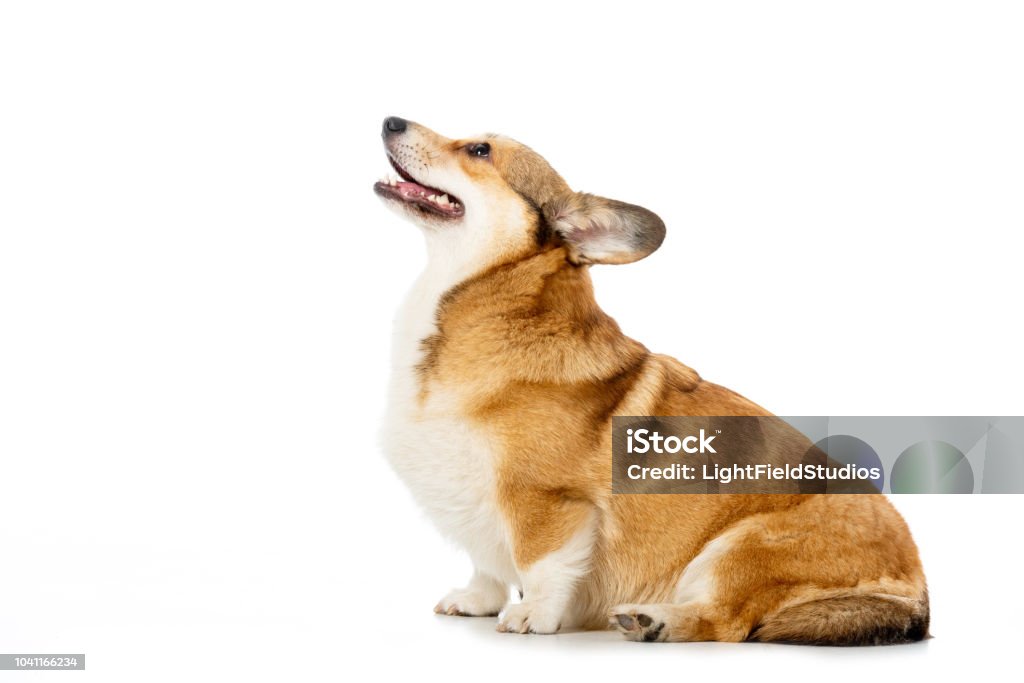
{"type": "Point", "coordinates": [635, 622]}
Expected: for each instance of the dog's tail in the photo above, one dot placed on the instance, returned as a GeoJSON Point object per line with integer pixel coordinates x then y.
{"type": "Point", "coordinates": [856, 619]}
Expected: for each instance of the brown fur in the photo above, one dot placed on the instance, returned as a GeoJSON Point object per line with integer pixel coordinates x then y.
{"type": "Point", "coordinates": [541, 369]}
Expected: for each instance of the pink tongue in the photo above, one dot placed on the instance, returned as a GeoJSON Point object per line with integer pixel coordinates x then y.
{"type": "Point", "coordinates": [411, 190]}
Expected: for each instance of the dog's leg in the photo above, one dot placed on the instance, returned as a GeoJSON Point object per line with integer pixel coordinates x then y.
{"type": "Point", "coordinates": [699, 611]}
{"type": "Point", "coordinates": [742, 586]}
{"type": "Point", "coordinates": [553, 541]}
{"type": "Point", "coordinates": [676, 623]}
{"type": "Point", "coordinates": [483, 597]}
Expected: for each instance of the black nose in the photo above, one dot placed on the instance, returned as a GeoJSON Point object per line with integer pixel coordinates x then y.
{"type": "Point", "coordinates": [393, 124]}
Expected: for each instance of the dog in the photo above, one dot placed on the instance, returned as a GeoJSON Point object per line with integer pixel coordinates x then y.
{"type": "Point", "coordinates": [505, 377]}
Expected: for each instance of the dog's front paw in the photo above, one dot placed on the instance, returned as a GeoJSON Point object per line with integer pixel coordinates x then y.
{"type": "Point", "coordinates": [529, 617]}
{"type": "Point", "coordinates": [467, 602]}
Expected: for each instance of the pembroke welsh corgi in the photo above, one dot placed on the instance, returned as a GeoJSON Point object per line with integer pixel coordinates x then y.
{"type": "Point", "coordinates": [506, 376]}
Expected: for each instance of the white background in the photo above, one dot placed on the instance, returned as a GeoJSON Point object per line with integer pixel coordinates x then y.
{"type": "Point", "coordinates": [197, 285]}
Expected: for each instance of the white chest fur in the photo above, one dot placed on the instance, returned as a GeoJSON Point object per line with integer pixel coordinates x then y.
{"type": "Point", "coordinates": [445, 461]}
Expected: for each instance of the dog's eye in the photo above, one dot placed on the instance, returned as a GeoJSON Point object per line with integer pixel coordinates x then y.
{"type": "Point", "coordinates": [480, 149]}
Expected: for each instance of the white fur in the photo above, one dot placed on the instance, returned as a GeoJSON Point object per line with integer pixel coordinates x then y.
{"type": "Point", "coordinates": [697, 583]}
{"type": "Point", "coordinates": [446, 462]}
{"type": "Point", "coordinates": [549, 586]}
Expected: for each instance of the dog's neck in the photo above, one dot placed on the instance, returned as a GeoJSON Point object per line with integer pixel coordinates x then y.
{"type": "Point", "coordinates": [532, 320]}
{"type": "Point", "coordinates": [541, 289]}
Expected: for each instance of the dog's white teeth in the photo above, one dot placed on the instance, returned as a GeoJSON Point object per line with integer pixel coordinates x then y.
{"type": "Point", "coordinates": [443, 200]}
{"type": "Point", "coordinates": [432, 198]}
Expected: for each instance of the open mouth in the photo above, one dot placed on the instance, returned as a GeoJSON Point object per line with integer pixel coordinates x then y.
{"type": "Point", "coordinates": [423, 197]}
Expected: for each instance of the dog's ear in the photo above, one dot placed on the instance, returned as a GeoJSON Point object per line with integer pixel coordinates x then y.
{"type": "Point", "coordinates": [599, 230]}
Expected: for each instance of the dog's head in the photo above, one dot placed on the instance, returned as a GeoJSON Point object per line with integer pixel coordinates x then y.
{"type": "Point", "coordinates": [489, 199]}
